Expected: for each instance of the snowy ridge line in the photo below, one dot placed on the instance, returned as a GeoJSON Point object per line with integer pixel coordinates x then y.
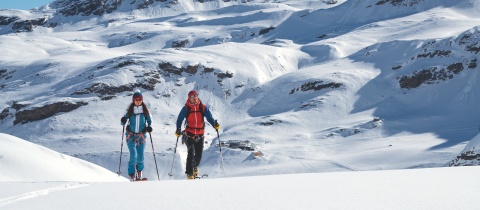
{"type": "Point", "coordinates": [34, 194]}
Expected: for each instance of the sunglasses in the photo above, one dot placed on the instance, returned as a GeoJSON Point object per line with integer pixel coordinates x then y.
{"type": "Point", "coordinates": [193, 96]}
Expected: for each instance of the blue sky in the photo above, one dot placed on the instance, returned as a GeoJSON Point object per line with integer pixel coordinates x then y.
{"type": "Point", "coordinates": [22, 4]}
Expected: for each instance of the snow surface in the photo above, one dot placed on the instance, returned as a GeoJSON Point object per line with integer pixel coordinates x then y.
{"type": "Point", "coordinates": [368, 134]}
{"type": "Point", "coordinates": [75, 184]}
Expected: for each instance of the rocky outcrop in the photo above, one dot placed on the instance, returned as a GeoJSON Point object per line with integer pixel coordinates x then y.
{"type": "Point", "coordinates": [28, 25]}
{"type": "Point", "coordinates": [18, 25]}
{"type": "Point", "coordinates": [265, 30]}
{"type": "Point", "coordinates": [180, 43]}
{"type": "Point", "coordinates": [444, 69]}
{"type": "Point", "coordinates": [430, 76]}
{"type": "Point", "coordinates": [40, 113]}
{"type": "Point", "coordinates": [7, 20]}
{"type": "Point", "coordinates": [467, 158]}
{"type": "Point", "coordinates": [169, 69]}
{"type": "Point", "coordinates": [470, 156]}
{"type": "Point", "coordinates": [106, 90]}
{"type": "Point", "coordinates": [86, 8]}
{"type": "Point", "coordinates": [403, 3]}
{"type": "Point", "coordinates": [4, 114]}
{"type": "Point", "coordinates": [315, 86]}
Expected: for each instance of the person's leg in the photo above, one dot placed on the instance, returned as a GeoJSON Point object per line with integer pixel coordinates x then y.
{"type": "Point", "coordinates": [198, 145]}
{"type": "Point", "coordinates": [133, 155]}
{"type": "Point", "coordinates": [140, 156]}
{"type": "Point", "coordinates": [191, 152]}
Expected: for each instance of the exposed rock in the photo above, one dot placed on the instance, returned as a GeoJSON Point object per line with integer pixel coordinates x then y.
{"type": "Point", "coordinates": [316, 85]}
{"type": "Point", "coordinates": [473, 48]}
{"type": "Point", "coordinates": [400, 2]}
{"type": "Point", "coordinates": [25, 116]}
{"type": "Point", "coordinates": [466, 158]}
{"type": "Point", "coordinates": [470, 40]}
{"type": "Point", "coordinates": [17, 106]}
{"type": "Point", "coordinates": [439, 53]}
{"type": "Point", "coordinates": [105, 90]}
{"type": "Point", "coordinates": [455, 68]}
{"type": "Point", "coordinates": [270, 122]}
{"type": "Point", "coordinates": [169, 68]}
{"type": "Point", "coordinates": [470, 155]}
{"type": "Point", "coordinates": [265, 30]}
{"type": "Point", "coordinates": [5, 74]}
{"type": "Point", "coordinates": [192, 69]}
{"type": "Point", "coordinates": [311, 103]}
{"type": "Point", "coordinates": [472, 64]}
{"type": "Point", "coordinates": [430, 76]}
{"type": "Point", "coordinates": [28, 25]}
{"type": "Point", "coordinates": [4, 114]}
{"type": "Point", "coordinates": [7, 20]}
{"type": "Point", "coordinates": [86, 8]}
{"type": "Point", "coordinates": [180, 44]}
{"type": "Point", "coordinates": [396, 67]}
{"type": "Point", "coordinates": [224, 75]}
{"type": "Point", "coordinates": [125, 63]}
{"type": "Point", "coordinates": [207, 69]}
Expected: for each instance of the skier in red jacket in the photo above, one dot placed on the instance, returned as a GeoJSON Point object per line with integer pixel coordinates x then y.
{"type": "Point", "coordinates": [194, 113]}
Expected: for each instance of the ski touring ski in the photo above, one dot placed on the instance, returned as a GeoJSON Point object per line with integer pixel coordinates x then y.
{"type": "Point", "coordinates": [138, 176]}
{"type": "Point", "coordinates": [203, 176]}
{"type": "Point", "coordinates": [139, 180]}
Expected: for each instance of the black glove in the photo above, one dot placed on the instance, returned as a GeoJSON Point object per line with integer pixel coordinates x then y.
{"type": "Point", "coordinates": [178, 132]}
{"type": "Point", "coordinates": [123, 120]}
{"type": "Point", "coordinates": [149, 129]}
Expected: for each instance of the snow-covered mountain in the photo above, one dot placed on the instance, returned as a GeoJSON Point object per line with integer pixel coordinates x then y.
{"type": "Point", "coordinates": [317, 87]}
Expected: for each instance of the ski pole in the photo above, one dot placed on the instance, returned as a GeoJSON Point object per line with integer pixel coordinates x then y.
{"type": "Point", "coordinates": [151, 141]}
{"type": "Point", "coordinates": [221, 157]}
{"type": "Point", "coordinates": [121, 149]}
{"type": "Point", "coordinates": [174, 152]}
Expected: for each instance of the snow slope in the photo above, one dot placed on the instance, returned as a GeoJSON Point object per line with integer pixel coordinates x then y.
{"type": "Point", "coordinates": [353, 86]}
{"type": "Point", "coordinates": [75, 184]}
{"type": "Point", "coordinates": [22, 161]}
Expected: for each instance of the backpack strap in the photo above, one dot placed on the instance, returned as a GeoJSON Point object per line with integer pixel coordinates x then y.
{"type": "Point", "coordinates": [202, 112]}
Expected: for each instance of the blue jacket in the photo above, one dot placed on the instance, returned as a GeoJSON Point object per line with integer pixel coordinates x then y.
{"type": "Point", "coordinates": [138, 120]}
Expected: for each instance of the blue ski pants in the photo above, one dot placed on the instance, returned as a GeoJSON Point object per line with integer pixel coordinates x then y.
{"type": "Point", "coordinates": [136, 146]}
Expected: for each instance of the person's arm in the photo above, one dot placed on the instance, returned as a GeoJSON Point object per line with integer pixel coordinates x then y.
{"type": "Point", "coordinates": [209, 116]}
{"type": "Point", "coordinates": [181, 116]}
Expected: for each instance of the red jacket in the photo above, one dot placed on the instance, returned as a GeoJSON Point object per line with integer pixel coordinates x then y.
{"type": "Point", "coordinates": [195, 121]}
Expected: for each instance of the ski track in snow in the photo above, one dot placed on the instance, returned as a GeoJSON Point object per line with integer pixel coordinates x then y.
{"type": "Point", "coordinates": [38, 193]}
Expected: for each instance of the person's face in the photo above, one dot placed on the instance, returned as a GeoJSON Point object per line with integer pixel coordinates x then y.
{"type": "Point", "coordinates": [137, 101]}
{"type": "Point", "coordinates": [193, 98]}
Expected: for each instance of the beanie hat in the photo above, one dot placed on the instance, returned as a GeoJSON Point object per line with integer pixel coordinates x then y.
{"type": "Point", "coordinates": [136, 95]}
{"type": "Point", "coordinates": [191, 93]}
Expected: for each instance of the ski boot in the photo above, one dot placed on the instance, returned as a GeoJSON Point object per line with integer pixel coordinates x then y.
{"type": "Point", "coordinates": [190, 176]}
{"type": "Point", "coordinates": [132, 177]}
{"type": "Point", "coordinates": [139, 175]}
{"type": "Point", "coordinates": [195, 172]}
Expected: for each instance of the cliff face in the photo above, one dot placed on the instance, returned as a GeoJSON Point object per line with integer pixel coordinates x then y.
{"type": "Point", "coordinates": [470, 156]}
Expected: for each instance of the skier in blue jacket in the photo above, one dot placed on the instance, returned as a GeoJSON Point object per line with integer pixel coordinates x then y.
{"type": "Point", "coordinates": [139, 122]}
